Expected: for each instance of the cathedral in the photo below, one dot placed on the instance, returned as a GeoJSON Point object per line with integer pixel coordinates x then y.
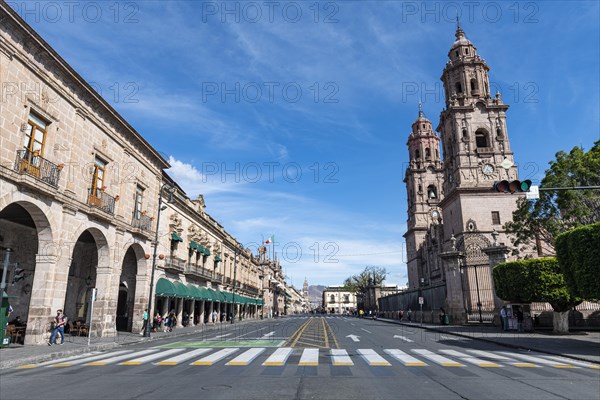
{"type": "Point", "coordinates": [454, 231]}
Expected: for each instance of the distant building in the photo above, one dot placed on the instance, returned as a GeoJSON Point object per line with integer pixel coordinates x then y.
{"type": "Point", "coordinates": [338, 300]}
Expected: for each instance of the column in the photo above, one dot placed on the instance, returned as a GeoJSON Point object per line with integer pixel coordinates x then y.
{"type": "Point", "coordinates": [455, 301]}
{"type": "Point", "coordinates": [497, 254]}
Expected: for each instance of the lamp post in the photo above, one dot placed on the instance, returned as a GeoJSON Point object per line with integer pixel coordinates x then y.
{"type": "Point", "coordinates": [170, 189]}
{"type": "Point", "coordinates": [238, 250]}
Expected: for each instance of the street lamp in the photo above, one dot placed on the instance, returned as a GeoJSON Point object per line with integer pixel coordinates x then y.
{"type": "Point", "coordinates": [170, 189]}
{"type": "Point", "coordinates": [238, 250]}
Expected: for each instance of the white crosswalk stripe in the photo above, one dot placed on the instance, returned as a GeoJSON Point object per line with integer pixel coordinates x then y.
{"type": "Point", "coordinates": [340, 357]}
{"type": "Point", "coordinates": [441, 360]}
{"type": "Point", "coordinates": [247, 357]}
{"type": "Point", "coordinates": [538, 360]}
{"type": "Point", "coordinates": [372, 358]}
{"type": "Point", "coordinates": [216, 357]}
{"type": "Point", "coordinates": [68, 363]}
{"type": "Point", "coordinates": [52, 362]}
{"type": "Point", "coordinates": [310, 357]}
{"type": "Point", "coordinates": [406, 359]}
{"type": "Point", "coordinates": [184, 357]}
{"type": "Point", "coordinates": [120, 358]}
{"type": "Point", "coordinates": [470, 359]}
{"type": "Point", "coordinates": [151, 357]}
{"type": "Point", "coordinates": [504, 359]}
{"type": "Point", "coordinates": [574, 362]}
{"type": "Point", "coordinates": [279, 357]}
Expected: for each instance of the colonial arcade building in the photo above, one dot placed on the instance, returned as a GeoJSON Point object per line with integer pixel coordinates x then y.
{"type": "Point", "coordinates": [79, 191]}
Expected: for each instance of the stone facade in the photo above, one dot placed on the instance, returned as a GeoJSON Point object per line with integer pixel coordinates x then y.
{"type": "Point", "coordinates": [337, 300]}
{"type": "Point", "coordinates": [454, 218]}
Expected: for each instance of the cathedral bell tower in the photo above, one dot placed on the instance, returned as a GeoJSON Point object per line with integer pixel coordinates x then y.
{"type": "Point", "coordinates": [423, 178]}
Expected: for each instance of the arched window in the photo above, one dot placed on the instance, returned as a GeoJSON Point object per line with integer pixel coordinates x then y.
{"type": "Point", "coordinates": [431, 192]}
{"type": "Point", "coordinates": [464, 133]}
{"type": "Point", "coordinates": [332, 299]}
{"type": "Point", "coordinates": [481, 138]}
{"type": "Point", "coordinates": [437, 154]}
{"type": "Point", "coordinates": [417, 154]}
{"type": "Point", "coordinates": [427, 153]}
{"type": "Point", "coordinates": [458, 87]}
{"type": "Point", "coordinates": [420, 189]}
{"type": "Point", "coordinates": [474, 85]}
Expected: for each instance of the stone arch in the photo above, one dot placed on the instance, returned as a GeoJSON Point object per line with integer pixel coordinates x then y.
{"type": "Point", "coordinates": [133, 288]}
{"type": "Point", "coordinates": [482, 138]}
{"type": "Point", "coordinates": [27, 231]}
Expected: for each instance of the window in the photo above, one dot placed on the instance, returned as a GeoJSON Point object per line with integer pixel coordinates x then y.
{"type": "Point", "coordinates": [139, 196]}
{"type": "Point", "coordinates": [35, 136]}
{"type": "Point", "coordinates": [427, 153]}
{"type": "Point", "coordinates": [481, 138]}
{"type": "Point", "coordinates": [496, 217]}
{"type": "Point", "coordinates": [99, 177]}
{"type": "Point", "coordinates": [458, 87]}
{"type": "Point", "coordinates": [332, 299]}
{"type": "Point", "coordinates": [467, 50]}
{"type": "Point", "coordinates": [456, 53]}
{"type": "Point", "coordinates": [431, 192]}
{"type": "Point", "coordinates": [417, 154]}
{"type": "Point", "coordinates": [474, 85]}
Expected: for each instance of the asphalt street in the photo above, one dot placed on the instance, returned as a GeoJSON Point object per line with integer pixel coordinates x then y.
{"type": "Point", "coordinates": [307, 358]}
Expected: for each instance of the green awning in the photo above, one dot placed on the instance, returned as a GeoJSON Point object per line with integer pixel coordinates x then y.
{"type": "Point", "coordinates": [206, 295]}
{"type": "Point", "coordinates": [215, 295]}
{"type": "Point", "coordinates": [181, 290]}
{"type": "Point", "coordinates": [165, 288]}
{"type": "Point", "coordinates": [195, 292]}
{"type": "Point", "coordinates": [200, 248]}
{"type": "Point", "coordinates": [206, 251]}
{"type": "Point", "coordinates": [193, 245]}
{"type": "Point", "coordinates": [175, 237]}
{"type": "Point", "coordinates": [228, 297]}
{"type": "Point", "coordinates": [217, 259]}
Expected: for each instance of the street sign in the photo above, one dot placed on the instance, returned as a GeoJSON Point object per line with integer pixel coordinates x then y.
{"type": "Point", "coordinates": [421, 300]}
{"type": "Point", "coordinates": [533, 193]}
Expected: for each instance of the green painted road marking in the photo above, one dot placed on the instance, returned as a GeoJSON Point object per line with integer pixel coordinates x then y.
{"type": "Point", "coordinates": [224, 343]}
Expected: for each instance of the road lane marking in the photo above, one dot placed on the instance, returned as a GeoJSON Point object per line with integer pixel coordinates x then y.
{"type": "Point", "coordinates": [279, 357]}
{"type": "Point", "coordinates": [472, 360]}
{"type": "Point", "coordinates": [404, 338]}
{"type": "Point", "coordinates": [366, 330]}
{"type": "Point", "coordinates": [151, 357]}
{"type": "Point", "coordinates": [296, 335]}
{"type": "Point", "coordinates": [372, 358]}
{"type": "Point", "coordinates": [325, 333]}
{"type": "Point", "coordinates": [404, 358]}
{"type": "Point", "coordinates": [310, 357]}
{"type": "Point", "coordinates": [120, 358]}
{"type": "Point", "coordinates": [247, 357]}
{"type": "Point", "coordinates": [441, 360]}
{"type": "Point", "coordinates": [216, 357]}
{"type": "Point", "coordinates": [268, 335]}
{"type": "Point", "coordinates": [339, 357]}
{"type": "Point", "coordinates": [184, 357]}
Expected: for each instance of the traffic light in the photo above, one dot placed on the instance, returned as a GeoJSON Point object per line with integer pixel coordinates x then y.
{"type": "Point", "coordinates": [513, 186]}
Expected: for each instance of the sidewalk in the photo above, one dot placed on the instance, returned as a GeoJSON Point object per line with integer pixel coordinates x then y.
{"type": "Point", "coordinates": [16, 355]}
{"type": "Point", "coordinates": [579, 345]}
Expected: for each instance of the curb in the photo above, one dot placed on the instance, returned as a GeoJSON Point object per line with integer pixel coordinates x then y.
{"type": "Point", "coordinates": [509, 345]}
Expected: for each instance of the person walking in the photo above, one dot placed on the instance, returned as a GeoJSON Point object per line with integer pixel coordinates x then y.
{"type": "Point", "coordinates": [520, 319]}
{"type": "Point", "coordinates": [59, 327]}
{"type": "Point", "coordinates": [145, 318]}
{"type": "Point", "coordinates": [214, 316]}
{"type": "Point", "coordinates": [504, 318]}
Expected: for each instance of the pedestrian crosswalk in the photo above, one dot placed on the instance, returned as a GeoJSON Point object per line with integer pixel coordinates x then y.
{"type": "Point", "coordinates": [307, 357]}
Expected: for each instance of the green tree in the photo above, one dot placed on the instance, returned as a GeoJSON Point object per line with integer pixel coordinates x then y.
{"type": "Point", "coordinates": [536, 224]}
{"type": "Point", "coordinates": [537, 280]}
{"type": "Point", "coordinates": [370, 276]}
{"type": "Point", "coordinates": [578, 253]}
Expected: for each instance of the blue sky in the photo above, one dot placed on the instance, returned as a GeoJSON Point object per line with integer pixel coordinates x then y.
{"type": "Point", "coordinates": [291, 118]}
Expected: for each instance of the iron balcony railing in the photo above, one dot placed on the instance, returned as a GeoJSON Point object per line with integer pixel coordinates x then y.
{"type": "Point", "coordinates": [103, 201]}
{"type": "Point", "coordinates": [142, 222]}
{"type": "Point", "coordinates": [199, 271]}
{"type": "Point", "coordinates": [30, 163]}
{"type": "Point", "coordinates": [174, 263]}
